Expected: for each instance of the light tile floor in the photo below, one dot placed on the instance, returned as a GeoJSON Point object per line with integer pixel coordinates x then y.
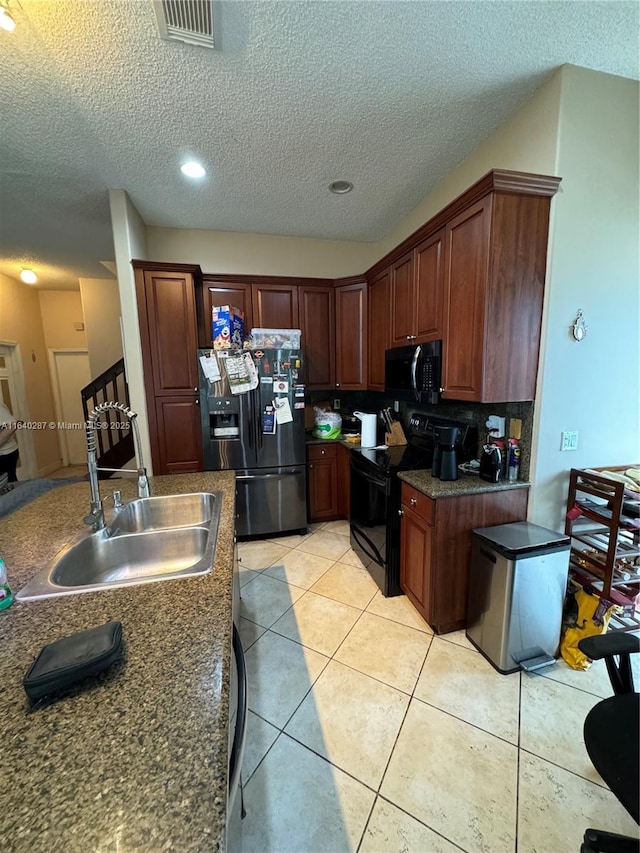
{"type": "Point", "coordinates": [367, 733]}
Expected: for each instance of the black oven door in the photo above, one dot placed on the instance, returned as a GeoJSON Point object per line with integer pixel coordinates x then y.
{"type": "Point", "coordinates": [372, 527]}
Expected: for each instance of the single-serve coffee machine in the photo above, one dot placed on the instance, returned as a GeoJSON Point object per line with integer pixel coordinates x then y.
{"type": "Point", "coordinates": [445, 454]}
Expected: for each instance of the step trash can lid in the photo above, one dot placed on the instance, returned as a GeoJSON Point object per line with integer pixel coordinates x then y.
{"type": "Point", "coordinates": [521, 537]}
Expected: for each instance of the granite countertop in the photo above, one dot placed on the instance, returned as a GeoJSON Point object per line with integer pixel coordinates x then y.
{"type": "Point", "coordinates": [138, 760]}
{"type": "Point", "coordinates": [467, 484]}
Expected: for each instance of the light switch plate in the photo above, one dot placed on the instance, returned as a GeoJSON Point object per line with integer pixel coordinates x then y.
{"type": "Point", "coordinates": [569, 440]}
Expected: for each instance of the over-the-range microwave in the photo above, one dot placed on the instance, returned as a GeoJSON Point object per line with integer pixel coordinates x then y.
{"type": "Point", "coordinates": [413, 373]}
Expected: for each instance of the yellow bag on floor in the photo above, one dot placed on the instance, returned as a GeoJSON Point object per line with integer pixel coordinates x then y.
{"type": "Point", "coordinates": [585, 614]}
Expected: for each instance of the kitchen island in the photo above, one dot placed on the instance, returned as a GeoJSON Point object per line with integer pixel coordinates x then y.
{"type": "Point", "coordinates": [137, 759]}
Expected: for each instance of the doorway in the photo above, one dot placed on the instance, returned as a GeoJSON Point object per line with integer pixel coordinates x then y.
{"type": "Point", "coordinates": [13, 395]}
{"type": "Point", "coordinates": [70, 373]}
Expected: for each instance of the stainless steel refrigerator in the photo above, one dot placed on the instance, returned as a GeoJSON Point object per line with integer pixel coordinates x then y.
{"type": "Point", "coordinates": [238, 434]}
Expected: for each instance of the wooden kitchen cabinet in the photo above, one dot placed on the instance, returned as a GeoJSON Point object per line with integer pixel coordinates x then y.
{"type": "Point", "coordinates": [179, 435]}
{"type": "Point", "coordinates": [169, 341]}
{"type": "Point", "coordinates": [344, 481]}
{"type": "Point", "coordinates": [322, 482]}
{"type": "Point", "coordinates": [495, 263]}
{"type": "Point", "coordinates": [428, 266]}
{"type": "Point", "coordinates": [379, 328]}
{"type": "Point", "coordinates": [403, 298]}
{"type": "Point", "coordinates": [217, 292]}
{"type": "Point", "coordinates": [435, 548]}
{"type": "Point", "coordinates": [351, 336]}
{"type": "Point", "coordinates": [317, 322]}
{"type": "Point", "coordinates": [275, 306]}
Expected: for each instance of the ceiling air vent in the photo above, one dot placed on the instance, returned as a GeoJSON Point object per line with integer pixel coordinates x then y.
{"type": "Point", "coordinates": [186, 20]}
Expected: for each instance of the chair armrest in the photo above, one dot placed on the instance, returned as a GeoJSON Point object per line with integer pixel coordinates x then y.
{"type": "Point", "coordinates": [605, 645]}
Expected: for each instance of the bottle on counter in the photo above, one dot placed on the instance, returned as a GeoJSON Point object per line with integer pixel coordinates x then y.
{"type": "Point", "coordinates": [6, 596]}
{"type": "Point", "coordinates": [513, 464]}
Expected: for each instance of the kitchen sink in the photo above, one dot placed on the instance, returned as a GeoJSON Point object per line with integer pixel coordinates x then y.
{"type": "Point", "coordinates": [150, 539]}
{"type": "Point", "coordinates": [167, 511]}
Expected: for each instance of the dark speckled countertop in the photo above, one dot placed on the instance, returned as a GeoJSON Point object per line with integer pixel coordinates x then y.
{"type": "Point", "coordinates": [138, 760]}
{"type": "Point", "coordinates": [467, 484]}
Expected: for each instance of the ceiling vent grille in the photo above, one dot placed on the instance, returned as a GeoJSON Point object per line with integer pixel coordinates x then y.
{"type": "Point", "coordinates": [190, 21]}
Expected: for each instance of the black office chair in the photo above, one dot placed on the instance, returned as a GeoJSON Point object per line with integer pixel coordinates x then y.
{"type": "Point", "coordinates": [611, 736]}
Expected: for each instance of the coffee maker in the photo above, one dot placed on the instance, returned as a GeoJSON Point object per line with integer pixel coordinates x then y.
{"type": "Point", "coordinates": [445, 454]}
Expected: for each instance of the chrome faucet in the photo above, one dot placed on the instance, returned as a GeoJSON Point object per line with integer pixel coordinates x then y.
{"type": "Point", "coordinates": [96, 514]}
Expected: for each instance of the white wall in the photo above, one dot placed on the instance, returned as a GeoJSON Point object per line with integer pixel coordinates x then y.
{"type": "Point", "coordinates": [130, 242]}
{"type": "Point", "coordinates": [260, 254]}
{"type": "Point", "coordinates": [101, 308]}
{"type": "Point", "coordinates": [60, 310]}
{"type": "Point", "coordinates": [592, 386]}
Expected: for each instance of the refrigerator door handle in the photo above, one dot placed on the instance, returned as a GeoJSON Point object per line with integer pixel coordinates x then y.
{"type": "Point", "coordinates": [258, 416]}
{"type": "Point", "coordinates": [244, 477]}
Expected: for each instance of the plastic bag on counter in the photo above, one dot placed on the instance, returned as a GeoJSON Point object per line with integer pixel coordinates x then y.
{"type": "Point", "coordinates": [327, 424]}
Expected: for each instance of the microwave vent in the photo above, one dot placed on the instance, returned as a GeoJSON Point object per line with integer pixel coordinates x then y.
{"type": "Point", "coordinates": [188, 21]}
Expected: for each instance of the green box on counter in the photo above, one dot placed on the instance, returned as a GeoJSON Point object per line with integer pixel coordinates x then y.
{"type": "Point", "coordinates": [227, 326]}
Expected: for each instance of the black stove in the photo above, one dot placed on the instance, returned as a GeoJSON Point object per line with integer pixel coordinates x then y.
{"type": "Point", "coordinates": [375, 494]}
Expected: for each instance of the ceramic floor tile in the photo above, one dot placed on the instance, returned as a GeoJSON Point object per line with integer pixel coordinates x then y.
{"type": "Point", "coordinates": [261, 736]}
{"type": "Point", "coordinates": [458, 780]}
{"type": "Point", "coordinates": [329, 545]}
{"type": "Point", "coordinates": [348, 584]}
{"type": "Point", "coordinates": [392, 831]}
{"type": "Point", "coordinates": [299, 568]}
{"type": "Point", "coordinates": [259, 554]}
{"type": "Point", "coordinates": [247, 575]}
{"type": "Point", "coordinates": [317, 622]}
{"type": "Point", "coordinates": [398, 608]}
{"type": "Point", "coordinates": [341, 527]}
{"type": "Point", "coordinates": [464, 684]}
{"type": "Point", "coordinates": [291, 541]}
{"type": "Point", "coordinates": [459, 638]}
{"type": "Point", "coordinates": [280, 673]}
{"type": "Point", "coordinates": [385, 650]}
{"type": "Point", "coordinates": [265, 599]}
{"type": "Point", "coordinates": [352, 720]}
{"type": "Point", "coordinates": [551, 722]}
{"type": "Point", "coordinates": [556, 806]}
{"type": "Point", "coordinates": [593, 680]}
{"type": "Point", "coordinates": [249, 633]}
{"type": "Point", "coordinates": [299, 803]}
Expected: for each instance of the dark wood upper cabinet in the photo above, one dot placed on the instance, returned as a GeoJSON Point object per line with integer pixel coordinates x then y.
{"type": "Point", "coordinates": [275, 306]}
{"type": "Point", "coordinates": [351, 336]}
{"type": "Point", "coordinates": [466, 274]}
{"type": "Point", "coordinates": [402, 301]}
{"type": "Point", "coordinates": [172, 331]}
{"type": "Point", "coordinates": [317, 322]}
{"type": "Point", "coordinates": [428, 265]}
{"type": "Point", "coordinates": [237, 294]}
{"type": "Point", "coordinates": [379, 328]}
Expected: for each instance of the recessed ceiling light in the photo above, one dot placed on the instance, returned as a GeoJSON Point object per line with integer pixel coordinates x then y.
{"type": "Point", "coordinates": [341, 187]}
{"type": "Point", "coordinates": [6, 21]}
{"type": "Point", "coordinates": [193, 169]}
{"type": "Point", "coordinates": [28, 276]}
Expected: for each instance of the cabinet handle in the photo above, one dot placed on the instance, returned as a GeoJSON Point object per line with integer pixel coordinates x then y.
{"type": "Point", "coordinates": [197, 401]}
{"type": "Point", "coordinates": [400, 512]}
{"type": "Point", "coordinates": [337, 384]}
{"type": "Point", "coordinates": [196, 390]}
{"type": "Point", "coordinates": [413, 501]}
{"type": "Point", "coordinates": [322, 452]}
{"type": "Point", "coordinates": [310, 466]}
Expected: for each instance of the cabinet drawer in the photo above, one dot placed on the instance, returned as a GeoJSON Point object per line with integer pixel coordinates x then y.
{"type": "Point", "coordinates": [316, 452]}
{"type": "Point", "coordinates": [418, 503]}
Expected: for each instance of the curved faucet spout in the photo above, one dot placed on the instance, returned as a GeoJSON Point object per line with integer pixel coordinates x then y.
{"type": "Point", "coordinates": [96, 514]}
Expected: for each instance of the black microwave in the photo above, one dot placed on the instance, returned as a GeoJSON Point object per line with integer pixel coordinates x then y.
{"type": "Point", "coordinates": [413, 373]}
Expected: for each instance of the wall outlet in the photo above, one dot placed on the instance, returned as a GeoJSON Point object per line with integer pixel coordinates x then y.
{"type": "Point", "coordinates": [569, 440]}
{"type": "Point", "coordinates": [336, 404]}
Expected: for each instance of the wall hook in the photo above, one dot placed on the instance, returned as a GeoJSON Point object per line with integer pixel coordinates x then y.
{"type": "Point", "coordinates": [578, 328]}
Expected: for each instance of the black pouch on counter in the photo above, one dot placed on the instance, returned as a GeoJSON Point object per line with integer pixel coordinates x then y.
{"type": "Point", "coordinates": [62, 663]}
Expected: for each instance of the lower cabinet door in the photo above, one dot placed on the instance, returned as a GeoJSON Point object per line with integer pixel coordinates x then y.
{"type": "Point", "coordinates": [323, 489]}
{"type": "Point", "coordinates": [415, 560]}
{"type": "Point", "coordinates": [179, 435]}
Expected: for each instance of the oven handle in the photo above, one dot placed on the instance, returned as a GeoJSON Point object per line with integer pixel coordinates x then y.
{"type": "Point", "coordinates": [414, 365]}
{"type": "Point", "coordinates": [357, 534]}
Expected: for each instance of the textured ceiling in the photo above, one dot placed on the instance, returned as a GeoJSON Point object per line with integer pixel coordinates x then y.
{"type": "Point", "coordinates": [390, 96]}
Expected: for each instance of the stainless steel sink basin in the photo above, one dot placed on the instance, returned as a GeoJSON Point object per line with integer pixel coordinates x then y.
{"type": "Point", "coordinates": [150, 539]}
{"type": "Point", "coordinates": [165, 512]}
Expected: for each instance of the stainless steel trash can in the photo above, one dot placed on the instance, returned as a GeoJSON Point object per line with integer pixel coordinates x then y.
{"type": "Point", "coordinates": [517, 587]}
